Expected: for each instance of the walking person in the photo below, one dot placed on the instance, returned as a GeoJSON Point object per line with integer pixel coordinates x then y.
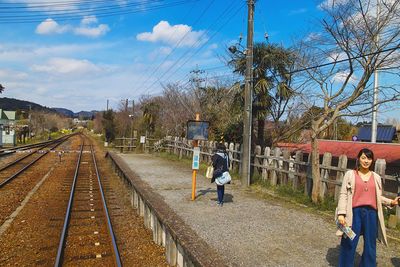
{"type": "Point", "coordinates": [220, 162]}
{"type": "Point", "coordinates": [360, 207]}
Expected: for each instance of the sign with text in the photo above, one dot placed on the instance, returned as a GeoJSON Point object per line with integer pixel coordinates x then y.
{"type": "Point", "coordinates": [197, 130]}
{"type": "Point", "coordinates": [142, 139]}
{"type": "Point", "coordinates": [196, 158]}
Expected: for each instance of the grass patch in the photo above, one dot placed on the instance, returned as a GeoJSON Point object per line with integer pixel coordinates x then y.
{"type": "Point", "coordinates": [289, 194]}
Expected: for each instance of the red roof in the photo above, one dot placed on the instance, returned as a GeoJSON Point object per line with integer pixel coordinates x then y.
{"type": "Point", "coordinates": [389, 152]}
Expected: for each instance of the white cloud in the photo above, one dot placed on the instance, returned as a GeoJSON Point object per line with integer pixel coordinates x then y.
{"type": "Point", "coordinates": [162, 51]}
{"type": "Point", "coordinates": [66, 66]}
{"type": "Point", "coordinates": [329, 4]}
{"type": "Point", "coordinates": [87, 20]}
{"type": "Point", "coordinates": [314, 36]}
{"type": "Point", "coordinates": [213, 46]}
{"type": "Point", "coordinates": [88, 27]}
{"type": "Point", "coordinates": [340, 77]}
{"type": "Point", "coordinates": [100, 30]}
{"type": "Point", "coordinates": [50, 26]}
{"type": "Point", "coordinates": [7, 73]}
{"type": "Point", "coordinates": [333, 57]}
{"type": "Point", "coordinates": [48, 5]}
{"type": "Point", "coordinates": [30, 52]}
{"type": "Point", "coordinates": [177, 35]}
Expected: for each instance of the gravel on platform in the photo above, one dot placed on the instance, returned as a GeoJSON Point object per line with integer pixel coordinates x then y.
{"type": "Point", "coordinates": [248, 230]}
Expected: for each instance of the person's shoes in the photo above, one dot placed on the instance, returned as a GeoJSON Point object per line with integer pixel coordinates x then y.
{"type": "Point", "coordinates": [220, 204]}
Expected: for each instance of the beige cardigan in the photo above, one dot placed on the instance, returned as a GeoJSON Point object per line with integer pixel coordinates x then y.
{"type": "Point", "coordinates": [345, 203]}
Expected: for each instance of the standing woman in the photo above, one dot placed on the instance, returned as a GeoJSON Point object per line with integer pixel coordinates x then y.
{"type": "Point", "coordinates": [220, 162]}
{"type": "Point", "coordinates": [360, 207]}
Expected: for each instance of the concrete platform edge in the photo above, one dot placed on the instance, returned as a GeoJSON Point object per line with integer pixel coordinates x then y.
{"type": "Point", "coordinates": [183, 247]}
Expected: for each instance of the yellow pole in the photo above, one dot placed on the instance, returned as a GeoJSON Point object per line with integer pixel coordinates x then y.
{"type": "Point", "coordinates": [195, 144]}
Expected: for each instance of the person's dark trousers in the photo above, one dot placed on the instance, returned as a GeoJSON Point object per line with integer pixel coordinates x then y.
{"type": "Point", "coordinates": [220, 193]}
{"type": "Point", "coordinates": [365, 222]}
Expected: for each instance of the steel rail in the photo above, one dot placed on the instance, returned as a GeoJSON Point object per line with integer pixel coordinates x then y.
{"type": "Point", "coordinates": [12, 177]}
{"type": "Point", "coordinates": [109, 224]}
{"type": "Point", "coordinates": [7, 151]}
{"type": "Point", "coordinates": [61, 245]}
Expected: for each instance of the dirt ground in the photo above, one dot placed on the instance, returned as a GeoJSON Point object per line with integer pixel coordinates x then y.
{"type": "Point", "coordinates": [250, 229]}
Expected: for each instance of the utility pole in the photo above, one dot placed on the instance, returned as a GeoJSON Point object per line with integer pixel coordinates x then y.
{"type": "Point", "coordinates": [30, 121]}
{"type": "Point", "coordinates": [374, 126]}
{"type": "Point", "coordinates": [248, 98]}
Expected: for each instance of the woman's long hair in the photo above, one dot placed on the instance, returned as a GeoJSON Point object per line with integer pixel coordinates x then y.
{"type": "Point", "coordinates": [369, 154]}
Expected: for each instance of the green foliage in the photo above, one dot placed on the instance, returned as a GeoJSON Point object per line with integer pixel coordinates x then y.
{"type": "Point", "coordinates": [272, 83]}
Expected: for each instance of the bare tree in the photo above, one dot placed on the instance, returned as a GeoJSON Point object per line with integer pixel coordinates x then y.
{"type": "Point", "coordinates": [1, 88]}
{"type": "Point", "coordinates": [358, 38]}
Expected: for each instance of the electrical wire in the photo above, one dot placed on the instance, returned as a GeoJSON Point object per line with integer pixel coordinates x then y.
{"type": "Point", "coordinates": [169, 39]}
{"type": "Point", "coordinates": [199, 49]}
{"type": "Point", "coordinates": [102, 11]}
{"type": "Point", "coordinates": [344, 60]}
{"type": "Point", "coordinates": [196, 44]}
{"type": "Point", "coordinates": [177, 45]}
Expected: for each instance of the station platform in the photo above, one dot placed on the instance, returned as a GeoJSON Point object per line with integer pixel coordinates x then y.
{"type": "Point", "coordinates": [251, 229]}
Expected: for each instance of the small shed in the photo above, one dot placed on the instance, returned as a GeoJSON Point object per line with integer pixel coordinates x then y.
{"type": "Point", "coordinates": [7, 128]}
{"type": "Point", "coordinates": [385, 133]}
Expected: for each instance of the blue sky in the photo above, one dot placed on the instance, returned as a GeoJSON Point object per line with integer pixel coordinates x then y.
{"type": "Point", "coordinates": [81, 59]}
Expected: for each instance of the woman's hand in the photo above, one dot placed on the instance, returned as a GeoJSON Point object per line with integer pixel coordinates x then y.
{"type": "Point", "coordinates": [341, 220]}
{"type": "Point", "coordinates": [395, 201]}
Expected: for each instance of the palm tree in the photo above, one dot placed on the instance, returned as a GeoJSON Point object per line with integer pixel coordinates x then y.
{"type": "Point", "coordinates": [271, 65]}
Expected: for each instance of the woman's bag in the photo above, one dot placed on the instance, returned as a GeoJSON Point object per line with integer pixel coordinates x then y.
{"type": "Point", "coordinates": [209, 172]}
{"type": "Point", "coordinates": [223, 179]}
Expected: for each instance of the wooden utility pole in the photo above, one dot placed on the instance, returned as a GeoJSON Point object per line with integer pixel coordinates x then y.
{"type": "Point", "coordinates": [248, 99]}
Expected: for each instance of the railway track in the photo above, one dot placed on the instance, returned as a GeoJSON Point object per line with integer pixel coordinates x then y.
{"type": "Point", "coordinates": [87, 236]}
{"type": "Point", "coordinates": [7, 151]}
{"type": "Point", "coordinates": [33, 212]}
{"type": "Point", "coordinates": [13, 169]}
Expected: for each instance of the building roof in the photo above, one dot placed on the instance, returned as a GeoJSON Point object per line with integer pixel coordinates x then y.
{"type": "Point", "coordinates": [385, 133]}
{"type": "Point", "coordinates": [7, 115]}
{"type": "Point", "coordinates": [389, 152]}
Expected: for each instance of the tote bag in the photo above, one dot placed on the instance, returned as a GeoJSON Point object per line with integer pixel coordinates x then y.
{"type": "Point", "coordinates": [223, 179]}
{"type": "Point", "coordinates": [209, 172]}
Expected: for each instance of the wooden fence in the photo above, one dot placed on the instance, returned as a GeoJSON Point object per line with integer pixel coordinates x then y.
{"type": "Point", "coordinates": [281, 167]}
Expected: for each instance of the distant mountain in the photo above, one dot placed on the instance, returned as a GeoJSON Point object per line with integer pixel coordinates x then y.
{"type": "Point", "coordinates": [16, 104]}
{"type": "Point", "coordinates": [88, 115]}
{"type": "Point", "coordinates": [64, 111]}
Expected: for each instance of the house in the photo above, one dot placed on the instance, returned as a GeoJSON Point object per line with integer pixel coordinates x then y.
{"type": "Point", "coordinates": [7, 128]}
{"type": "Point", "coordinates": [385, 133]}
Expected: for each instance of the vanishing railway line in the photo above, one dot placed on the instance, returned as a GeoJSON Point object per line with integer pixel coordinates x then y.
{"type": "Point", "coordinates": [54, 212]}
{"type": "Point", "coordinates": [87, 233]}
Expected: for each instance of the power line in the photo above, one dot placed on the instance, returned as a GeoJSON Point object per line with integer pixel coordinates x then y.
{"type": "Point", "coordinates": [176, 46]}
{"type": "Point", "coordinates": [101, 11]}
{"type": "Point", "coordinates": [158, 52]}
{"type": "Point", "coordinates": [344, 60]}
{"type": "Point", "coordinates": [187, 51]}
{"type": "Point", "coordinates": [194, 45]}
